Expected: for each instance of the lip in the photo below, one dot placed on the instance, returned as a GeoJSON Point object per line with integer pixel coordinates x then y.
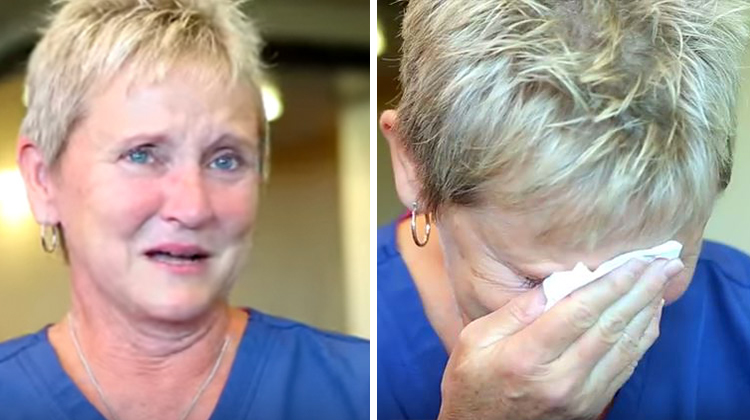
{"type": "Point", "coordinates": [183, 267]}
{"type": "Point", "coordinates": [177, 248]}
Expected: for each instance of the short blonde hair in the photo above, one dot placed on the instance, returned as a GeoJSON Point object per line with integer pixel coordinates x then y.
{"type": "Point", "coordinates": [608, 116]}
{"type": "Point", "coordinates": [89, 41]}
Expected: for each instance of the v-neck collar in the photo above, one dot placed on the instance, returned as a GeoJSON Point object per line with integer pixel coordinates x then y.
{"type": "Point", "coordinates": [235, 400]}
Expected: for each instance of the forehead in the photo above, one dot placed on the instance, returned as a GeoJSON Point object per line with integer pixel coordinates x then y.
{"type": "Point", "coordinates": [134, 101]}
{"type": "Point", "coordinates": [515, 240]}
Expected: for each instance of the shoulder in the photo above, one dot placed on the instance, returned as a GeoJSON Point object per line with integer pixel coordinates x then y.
{"type": "Point", "coordinates": [724, 261]}
{"type": "Point", "coordinates": [337, 351]}
{"type": "Point", "coordinates": [393, 275]}
{"type": "Point", "coordinates": [316, 371]}
{"type": "Point", "coordinates": [20, 396]}
{"type": "Point", "coordinates": [387, 249]}
{"type": "Point", "coordinates": [11, 349]}
{"type": "Point", "coordinates": [299, 331]}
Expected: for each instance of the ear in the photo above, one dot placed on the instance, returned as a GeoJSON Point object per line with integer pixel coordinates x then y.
{"type": "Point", "coordinates": [404, 170]}
{"type": "Point", "coordinates": [37, 177]}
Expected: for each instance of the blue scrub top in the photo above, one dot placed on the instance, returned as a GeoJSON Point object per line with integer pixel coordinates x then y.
{"type": "Point", "coordinates": [698, 369]}
{"type": "Point", "coordinates": [282, 370]}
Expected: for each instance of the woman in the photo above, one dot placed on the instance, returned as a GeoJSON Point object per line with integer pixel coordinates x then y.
{"type": "Point", "coordinates": [143, 153]}
{"type": "Point", "coordinates": [533, 135]}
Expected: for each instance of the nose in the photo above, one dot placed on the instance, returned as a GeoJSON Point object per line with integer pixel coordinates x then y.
{"type": "Point", "coordinates": [187, 199]}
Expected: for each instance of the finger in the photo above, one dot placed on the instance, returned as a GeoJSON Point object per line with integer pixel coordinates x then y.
{"type": "Point", "coordinates": [635, 340]}
{"type": "Point", "coordinates": [514, 316]}
{"type": "Point", "coordinates": [623, 324]}
{"type": "Point", "coordinates": [652, 333]}
{"type": "Point", "coordinates": [572, 316]}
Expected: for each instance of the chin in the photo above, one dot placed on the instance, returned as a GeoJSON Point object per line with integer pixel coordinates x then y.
{"type": "Point", "coordinates": [179, 307]}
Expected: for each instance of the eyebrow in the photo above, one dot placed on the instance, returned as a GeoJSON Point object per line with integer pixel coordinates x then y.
{"type": "Point", "coordinates": [224, 140]}
{"type": "Point", "coordinates": [151, 138]}
{"type": "Point", "coordinates": [229, 139]}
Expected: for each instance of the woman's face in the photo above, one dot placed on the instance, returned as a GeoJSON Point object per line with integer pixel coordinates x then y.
{"type": "Point", "coordinates": [157, 193]}
{"type": "Point", "coordinates": [491, 257]}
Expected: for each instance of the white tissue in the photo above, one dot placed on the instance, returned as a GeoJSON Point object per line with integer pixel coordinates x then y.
{"type": "Point", "coordinates": [562, 283]}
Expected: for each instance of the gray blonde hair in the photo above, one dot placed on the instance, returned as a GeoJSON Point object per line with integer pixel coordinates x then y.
{"type": "Point", "coordinates": [89, 41]}
{"type": "Point", "coordinates": [608, 116]}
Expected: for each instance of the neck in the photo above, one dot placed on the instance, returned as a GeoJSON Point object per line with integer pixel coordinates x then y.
{"type": "Point", "coordinates": [119, 342]}
{"type": "Point", "coordinates": [148, 345]}
{"type": "Point", "coordinates": [135, 357]}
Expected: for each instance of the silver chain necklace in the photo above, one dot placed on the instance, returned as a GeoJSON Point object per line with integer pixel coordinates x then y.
{"type": "Point", "coordinates": [99, 391]}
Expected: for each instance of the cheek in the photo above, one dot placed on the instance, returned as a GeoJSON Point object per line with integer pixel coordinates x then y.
{"type": "Point", "coordinates": [492, 297]}
{"type": "Point", "coordinates": [475, 295]}
{"type": "Point", "coordinates": [126, 204]}
{"type": "Point", "coordinates": [236, 208]}
{"type": "Point", "coordinates": [109, 204]}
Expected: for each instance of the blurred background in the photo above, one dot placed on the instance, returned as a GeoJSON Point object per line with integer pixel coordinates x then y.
{"type": "Point", "coordinates": [310, 259]}
{"type": "Point", "coordinates": [730, 222]}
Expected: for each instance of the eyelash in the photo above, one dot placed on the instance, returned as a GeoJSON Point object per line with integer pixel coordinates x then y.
{"type": "Point", "coordinates": [530, 282]}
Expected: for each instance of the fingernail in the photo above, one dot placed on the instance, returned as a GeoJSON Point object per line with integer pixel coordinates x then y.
{"type": "Point", "coordinates": [673, 267]}
{"type": "Point", "coordinates": [658, 306]}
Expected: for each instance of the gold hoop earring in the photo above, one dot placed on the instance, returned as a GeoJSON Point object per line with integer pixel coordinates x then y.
{"type": "Point", "coordinates": [51, 245]}
{"type": "Point", "coordinates": [427, 226]}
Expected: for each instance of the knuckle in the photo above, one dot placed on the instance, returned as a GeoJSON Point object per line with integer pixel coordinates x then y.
{"type": "Point", "coordinates": [611, 327]}
{"type": "Point", "coordinates": [629, 369]}
{"type": "Point", "coordinates": [517, 368]}
{"type": "Point", "coordinates": [520, 367]}
{"type": "Point", "coordinates": [637, 266]}
{"type": "Point", "coordinates": [582, 317]}
{"type": "Point", "coordinates": [468, 336]}
{"type": "Point", "coordinates": [628, 346]}
{"type": "Point", "coordinates": [656, 284]}
{"type": "Point", "coordinates": [519, 314]}
{"type": "Point", "coordinates": [560, 395]}
{"type": "Point", "coordinates": [624, 281]}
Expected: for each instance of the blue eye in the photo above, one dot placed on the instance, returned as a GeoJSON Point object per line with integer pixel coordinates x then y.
{"type": "Point", "coordinates": [225, 163]}
{"type": "Point", "coordinates": [140, 156]}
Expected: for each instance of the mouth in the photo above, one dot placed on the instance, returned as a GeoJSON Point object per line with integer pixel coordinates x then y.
{"type": "Point", "coordinates": [178, 255]}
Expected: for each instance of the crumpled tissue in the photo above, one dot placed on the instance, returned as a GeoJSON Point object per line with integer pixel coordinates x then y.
{"type": "Point", "coordinates": [562, 283]}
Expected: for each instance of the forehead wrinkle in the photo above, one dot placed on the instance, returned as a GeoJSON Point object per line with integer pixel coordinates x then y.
{"type": "Point", "coordinates": [540, 259]}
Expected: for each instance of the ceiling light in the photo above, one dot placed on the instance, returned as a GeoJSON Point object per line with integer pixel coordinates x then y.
{"type": "Point", "coordinates": [272, 104]}
{"type": "Point", "coordinates": [382, 44]}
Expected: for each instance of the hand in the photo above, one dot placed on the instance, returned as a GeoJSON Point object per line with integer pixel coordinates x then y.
{"type": "Point", "coordinates": [519, 364]}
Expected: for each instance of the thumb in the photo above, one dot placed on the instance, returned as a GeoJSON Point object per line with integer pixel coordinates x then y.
{"type": "Point", "coordinates": [514, 316]}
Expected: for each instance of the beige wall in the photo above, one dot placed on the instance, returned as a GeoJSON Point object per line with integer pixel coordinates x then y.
{"type": "Point", "coordinates": [297, 266]}
{"type": "Point", "coordinates": [730, 222]}
{"type": "Point", "coordinates": [354, 198]}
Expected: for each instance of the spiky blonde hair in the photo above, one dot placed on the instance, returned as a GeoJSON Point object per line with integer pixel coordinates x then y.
{"type": "Point", "coordinates": [88, 42]}
{"type": "Point", "coordinates": [605, 115]}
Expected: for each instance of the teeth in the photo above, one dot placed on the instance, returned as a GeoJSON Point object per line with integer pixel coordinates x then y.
{"type": "Point", "coordinates": [173, 259]}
